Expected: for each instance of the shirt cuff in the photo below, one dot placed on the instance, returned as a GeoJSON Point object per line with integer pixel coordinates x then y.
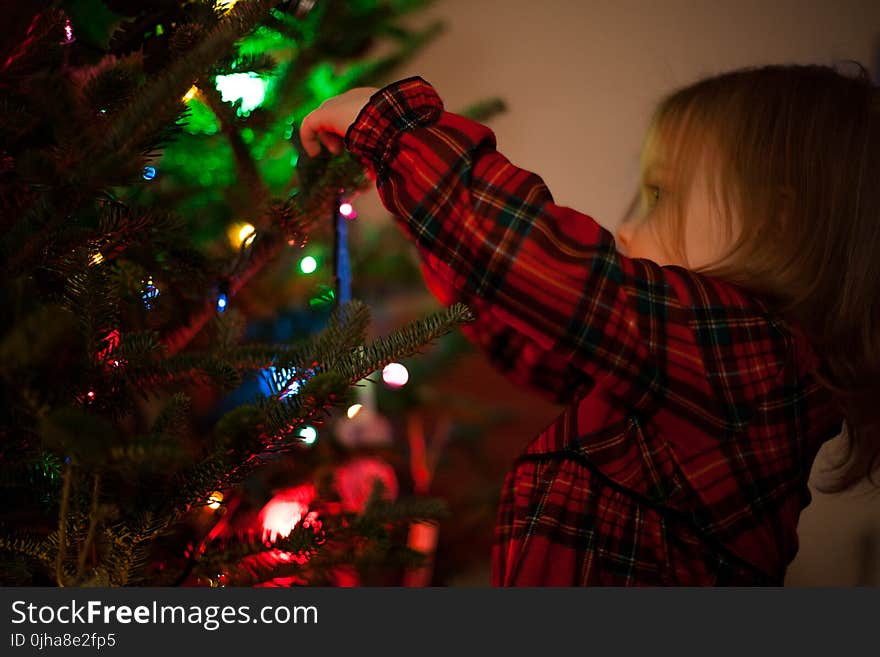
{"type": "Point", "coordinates": [400, 106]}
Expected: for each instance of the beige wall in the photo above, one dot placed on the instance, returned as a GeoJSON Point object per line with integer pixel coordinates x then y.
{"type": "Point", "coordinates": [580, 78]}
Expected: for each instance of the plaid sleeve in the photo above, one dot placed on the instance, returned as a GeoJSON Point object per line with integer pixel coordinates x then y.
{"type": "Point", "coordinates": [549, 278]}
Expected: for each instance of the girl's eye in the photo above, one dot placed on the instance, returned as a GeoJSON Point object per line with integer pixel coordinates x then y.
{"type": "Point", "coordinates": [652, 195]}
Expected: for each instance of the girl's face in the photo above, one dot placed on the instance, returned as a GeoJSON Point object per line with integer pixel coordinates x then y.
{"type": "Point", "coordinates": [705, 239]}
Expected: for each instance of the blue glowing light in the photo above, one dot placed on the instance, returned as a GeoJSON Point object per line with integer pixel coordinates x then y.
{"type": "Point", "coordinates": [293, 380]}
{"type": "Point", "coordinates": [221, 302]}
{"type": "Point", "coordinates": [149, 173]}
{"type": "Point", "coordinates": [149, 294]}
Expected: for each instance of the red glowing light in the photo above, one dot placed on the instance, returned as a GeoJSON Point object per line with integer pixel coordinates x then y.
{"type": "Point", "coordinates": [355, 481]}
{"type": "Point", "coordinates": [109, 344]}
{"type": "Point", "coordinates": [284, 511]}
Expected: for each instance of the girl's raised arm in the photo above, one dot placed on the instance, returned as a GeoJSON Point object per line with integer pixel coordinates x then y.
{"type": "Point", "coordinates": [549, 278]}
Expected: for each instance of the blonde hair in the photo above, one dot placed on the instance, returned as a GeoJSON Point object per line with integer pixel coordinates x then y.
{"type": "Point", "coordinates": [794, 170]}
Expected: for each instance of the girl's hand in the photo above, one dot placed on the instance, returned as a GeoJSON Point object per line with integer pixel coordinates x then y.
{"type": "Point", "coordinates": [331, 120]}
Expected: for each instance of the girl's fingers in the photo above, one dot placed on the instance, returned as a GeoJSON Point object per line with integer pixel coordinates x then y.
{"type": "Point", "coordinates": [308, 134]}
{"type": "Point", "coordinates": [309, 138]}
{"type": "Point", "coordinates": [334, 143]}
{"type": "Point", "coordinates": [312, 133]}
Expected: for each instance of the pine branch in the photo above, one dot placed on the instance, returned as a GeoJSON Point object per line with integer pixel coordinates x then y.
{"type": "Point", "coordinates": [28, 546]}
{"type": "Point", "coordinates": [246, 167]}
{"type": "Point", "coordinates": [90, 534]}
{"type": "Point", "coordinates": [265, 248]}
{"type": "Point", "coordinates": [159, 101]}
{"type": "Point", "coordinates": [269, 427]}
{"type": "Point", "coordinates": [402, 343]}
{"type": "Point", "coordinates": [295, 218]}
{"type": "Point", "coordinates": [60, 576]}
{"type": "Point", "coordinates": [173, 415]}
{"type": "Point", "coordinates": [219, 555]}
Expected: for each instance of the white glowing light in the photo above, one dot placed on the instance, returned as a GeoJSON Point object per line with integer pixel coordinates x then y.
{"type": "Point", "coordinates": [250, 88]}
{"type": "Point", "coordinates": [309, 435]}
{"type": "Point", "coordinates": [353, 410]}
{"type": "Point", "coordinates": [395, 375]}
{"type": "Point", "coordinates": [347, 210]}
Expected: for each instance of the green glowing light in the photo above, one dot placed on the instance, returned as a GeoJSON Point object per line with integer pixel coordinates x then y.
{"type": "Point", "coordinates": [201, 119]}
{"type": "Point", "coordinates": [249, 87]}
{"type": "Point", "coordinates": [323, 81]}
{"type": "Point", "coordinates": [308, 265]}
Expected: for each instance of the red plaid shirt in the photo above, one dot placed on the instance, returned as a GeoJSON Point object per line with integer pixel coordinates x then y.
{"type": "Point", "coordinates": [693, 417]}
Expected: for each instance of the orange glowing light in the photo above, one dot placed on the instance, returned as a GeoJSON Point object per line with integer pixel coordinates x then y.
{"type": "Point", "coordinates": [215, 500]}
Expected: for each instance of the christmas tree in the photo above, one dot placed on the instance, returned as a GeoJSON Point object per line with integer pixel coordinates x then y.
{"type": "Point", "coordinates": [128, 335]}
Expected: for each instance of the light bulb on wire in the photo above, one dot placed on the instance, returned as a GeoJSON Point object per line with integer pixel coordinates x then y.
{"type": "Point", "coordinates": [215, 500]}
{"type": "Point", "coordinates": [308, 265]}
{"type": "Point", "coordinates": [249, 87]}
{"type": "Point", "coordinates": [241, 234]}
{"type": "Point", "coordinates": [308, 434]}
{"type": "Point", "coordinates": [347, 210]}
{"type": "Point", "coordinates": [395, 375]}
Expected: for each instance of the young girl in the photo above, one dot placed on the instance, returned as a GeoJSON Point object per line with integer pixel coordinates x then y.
{"type": "Point", "coordinates": [706, 364]}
